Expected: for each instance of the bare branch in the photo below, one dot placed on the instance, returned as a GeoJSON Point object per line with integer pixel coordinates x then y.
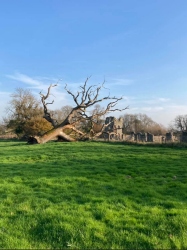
{"type": "Point", "coordinates": [84, 96]}
{"type": "Point", "coordinates": [102, 130]}
{"type": "Point", "coordinates": [47, 114]}
{"type": "Point", "coordinates": [74, 97]}
{"type": "Point", "coordinates": [80, 116]}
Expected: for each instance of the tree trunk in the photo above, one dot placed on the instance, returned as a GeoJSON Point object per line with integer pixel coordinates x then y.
{"type": "Point", "coordinates": [52, 134]}
{"type": "Point", "coordinates": [85, 99]}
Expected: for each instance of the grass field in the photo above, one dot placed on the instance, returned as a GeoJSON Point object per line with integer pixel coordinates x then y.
{"type": "Point", "coordinates": [92, 195]}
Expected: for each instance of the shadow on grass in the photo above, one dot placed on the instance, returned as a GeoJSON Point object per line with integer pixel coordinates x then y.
{"type": "Point", "coordinates": [84, 183]}
{"type": "Point", "coordinates": [9, 140]}
{"type": "Point", "coordinates": [7, 143]}
{"type": "Point", "coordinates": [49, 230]}
{"type": "Point", "coordinates": [174, 145]}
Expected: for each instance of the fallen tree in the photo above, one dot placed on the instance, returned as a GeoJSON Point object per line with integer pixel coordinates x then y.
{"type": "Point", "coordinates": [70, 128]}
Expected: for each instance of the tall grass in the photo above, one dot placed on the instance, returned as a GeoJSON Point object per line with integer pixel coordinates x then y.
{"type": "Point", "coordinates": [92, 195]}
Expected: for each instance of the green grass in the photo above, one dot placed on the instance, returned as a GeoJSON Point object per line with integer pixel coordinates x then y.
{"type": "Point", "coordinates": [92, 195]}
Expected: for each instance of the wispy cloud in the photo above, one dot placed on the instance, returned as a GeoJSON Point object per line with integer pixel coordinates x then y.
{"type": "Point", "coordinates": [119, 81]}
{"type": "Point", "coordinates": [42, 83]}
{"type": "Point", "coordinates": [25, 79]}
{"type": "Point", "coordinates": [152, 109]}
{"type": "Point", "coordinates": [164, 113]}
{"type": "Point", "coordinates": [156, 100]}
{"type": "Point", "coordinates": [163, 99]}
{"type": "Point", "coordinates": [4, 93]}
{"type": "Point", "coordinates": [179, 109]}
{"type": "Point", "coordinates": [38, 82]}
{"type": "Point", "coordinates": [147, 109]}
{"type": "Point", "coordinates": [58, 93]}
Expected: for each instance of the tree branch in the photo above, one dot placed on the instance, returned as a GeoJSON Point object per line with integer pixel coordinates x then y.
{"type": "Point", "coordinates": [79, 116]}
{"type": "Point", "coordinates": [47, 114]}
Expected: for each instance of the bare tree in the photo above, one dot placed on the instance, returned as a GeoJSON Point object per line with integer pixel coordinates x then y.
{"type": "Point", "coordinates": [85, 99]}
{"type": "Point", "coordinates": [60, 114]}
{"type": "Point", "coordinates": [141, 123]}
{"type": "Point", "coordinates": [179, 123]}
{"type": "Point", "coordinates": [96, 111]}
{"type": "Point", "coordinates": [24, 114]}
{"type": "Point", "coordinates": [2, 128]}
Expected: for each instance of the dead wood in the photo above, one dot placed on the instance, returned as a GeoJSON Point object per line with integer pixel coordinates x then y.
{"type": "Point", "coordinates": [84, 99]}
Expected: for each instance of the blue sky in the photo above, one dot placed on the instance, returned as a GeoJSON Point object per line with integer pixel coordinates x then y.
{"type": "Point", "coordinates": [138, 47]}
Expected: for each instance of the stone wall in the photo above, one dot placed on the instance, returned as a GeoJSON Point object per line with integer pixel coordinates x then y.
{"type": "Point", "coordinates": [144, 137]}
{"type": "Point", "coordinates": [169, 137]}
{"type": "Point", "coordinates": [159, 139]}
{"type": "Point", "coordinates": [183, 137]}
{"type": "Point", "coordinates": [114, 132]}
{"type": "Point", "coordinates": [148, 137]}
{"type": "Point", "coordinates": [114, 128]}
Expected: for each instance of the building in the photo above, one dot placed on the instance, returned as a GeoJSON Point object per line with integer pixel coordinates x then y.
{"type": "Point", "coordinates": [113, 130]}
